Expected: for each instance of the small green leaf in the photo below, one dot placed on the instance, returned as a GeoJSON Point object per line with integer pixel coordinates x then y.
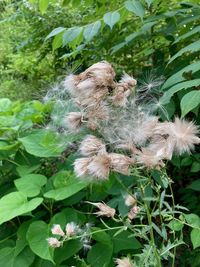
{"type": "Point", "coordinates": [190, 101]}
{"type": "Point", "coordinates": [55, 32]}
{"type": "Point", "coordinates": [175, 225]}
{"type": "Point", "coordinates": [192, 219]}
{"type": "Point", "coordinates": [195, 185]}
{"type": "Point", "coordinates": [37, 235]}
{"type": "Point", "coordinates": [195, 238]}
{"type": "Point", "coordinates": [57, 41]}
{"type": "Point", "coordinates": [91, 30]}
{"type": "Point", "coordinates": [30, 184]}
{"type": "Point", "coordinates": [188, 34]}
{"type": "Point", "coordinates": [15, 204]}
{"type": "Point", "coordinates": [135, 7]}
{"type": "Point", "coordinates": [70, 34]}
{"type": "Point", "coordinates": [43, 4]}
{"type": "Point", "coordinates": [111, 18]}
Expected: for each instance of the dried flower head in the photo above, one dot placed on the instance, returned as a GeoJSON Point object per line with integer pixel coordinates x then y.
{"type": "Point", "coordinates": [81, 166]}
{"type": "Point", "coordinates": [121, 163]}
{"type": "Point", "coordinates": [127, 79]}
{"type": "Point", "coordinates": [53, 242]}
{"type": "Point", "coordinates": [104, 210]}
{"type": "Point", "coordinates": [91, 145]}
{"type": "Point", "coordinates": [133, 212]}
{"type": "Point", "coordinates": [130, 200]}
{"type": "Point", "coordinates": [71, 229]}
{"type": "Point", "coordinates": [184, 135]}
{"type": "Point", "coordinates": [124, 262]}
{"type": "Point", "coordinates": [99, 166]}
{"type": "Point", "coordinates": [73, 120]}
{"type": "Point", "coordinates": [149, 159]}
{"type": "Point", "coordinates": [57, 230]}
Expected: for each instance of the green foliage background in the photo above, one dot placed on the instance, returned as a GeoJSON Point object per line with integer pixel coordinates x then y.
{"type": "Point", "coordinates": [42, 41]}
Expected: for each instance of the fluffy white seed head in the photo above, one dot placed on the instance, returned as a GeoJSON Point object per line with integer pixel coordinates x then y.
{"type": "Point", "coordinates": [124, 262]}
{"type": "Point", "coordinates": [121, 163]}
{"type": "Point", "coordinates": [71, 229]}
{"type": "Point", "coordinates": [91, 145]}
{"type": "Point", "coordinates": [57, 230]}
{"type": "Point", "coordinates": [99, 166]}
{"type": "Point", "coordinates": [53, 242]}
{"type": "Point", "coordinates": [104, 210]}
{"type": "Point", "coordinates": [81, 167]}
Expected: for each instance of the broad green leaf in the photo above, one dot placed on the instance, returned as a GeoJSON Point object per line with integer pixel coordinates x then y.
{"type": "Point", "coordinates": [195, 185]}
{"type": "Point", "coordinates": [9, 259]}
{"type": "Point", "coordinates": [65, 186]}
{"type": "Point", "coordinates": [57, 41]}
{"type": "Point", "coordinates": [26, 169]}
{"type": "Point", "coordinates": [43, 143]}
{"type": "Point", "coordinates": [101, 237]}
{"type": "Point", "coordinates": [135, 7]}
{"type": "Point", "coordinates": [188, 34]}
{"type": "Point", "coordinates": [195, 166]}
{"type": "Point", "coordinates": [195, 238]}
{"type": "Point", "coordinates": [15, 204]}
{"type": "Point", "coordinates": [70, 34]}
{"type": "Point", "coordinates": [190, 101]}
{"type": "Point", "coordinates": [37, 235]}
{"type": "Point", "coordinates": [174, 89]}
{"type": "Point", "coordinates": [100, 255]}
{"type": "Point", "coordinates": [5, 104]}
{"type": "Point", "coordinates": [193, 47]}
{"type": "Point", "coordinates": [91, 30]}
{"type": "Point", "coordinates": [175, 225]}
{"type": "Point", "coordinates": [125, 240]}
{"type": "Point", "coordinates": [30, 184]}
{"type": "Point", "coordinates": [179, 76]}
{"type": "Point", "coordinates": [43, 4]}
{"type": "Point", "coordinates": [111, 18]}
{"type": "Point", "coordinates": [192, 219]}
{"type": "Point", "coordinates": [55, 32]}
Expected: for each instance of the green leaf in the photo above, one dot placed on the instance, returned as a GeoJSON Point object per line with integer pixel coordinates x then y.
{"type": "Point", "coordinates": [111, 18]}
{"type": "Point", "coordinates": [43, 4]}
{"type": "Point", "coordinates": [5, 104]}
{"type": "Point", "coordinates": [179, 76]}
{"type": "Point", "coordinates": [188, 34]}
{"type": "Point", "coordinates": [195, 238]}
{"type": "Point", "coordinates": [55, 32]}
{"type": "Point", "coordinates": [57, 41]}
{"type": "Point", "coordinates": [149, 2]}
{"type": "Point", "coordinates": [43, 143]}
{"type": "Point", "coordinates": [175, 225]}
{"type": "Point", "coordinates": [195, 166]}
{"type": "Point", "coordinates": [195, 185]}
{"type": "Point", "coordinates": [101, 237]}
{"type": "Point", "coordinates": [65, 186]}
{"type": "Point", "coordinates": [37, 235]}
{"type": "Point", "coordinates": [99, 255]}
{"type": "Point", "coordinates": [70, 34]}
{"type": "Point", "coordinates": [91, 30]}
{"type": "Point", "coordinates": [30, 184]}
{"type": "Point", "coordinates": [135, 7]}
{"type": "Point", "coordinates": [192, 219]}
{"type": "Point", "coordinates": [174, 89]}
{"type": "Point", "coordinates": [125, 240]}
{"type": "Point", "coordinates": [9, 259]}
{"type": "Point", "coordinates": [15, 204]}
{"type": "Point", "coordinates": [23, 170]}
{"type": "Point", "coordinates": [193, 47]}
{"type": "Point", "coordinates": [189, 101]}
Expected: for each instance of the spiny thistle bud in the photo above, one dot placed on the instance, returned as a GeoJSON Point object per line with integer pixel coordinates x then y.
{"type": "Point", "coordinates": [56, 230]}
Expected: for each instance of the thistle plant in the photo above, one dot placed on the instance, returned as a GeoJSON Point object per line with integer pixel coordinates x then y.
{"type": "Point", "coordinates": [124, 137]}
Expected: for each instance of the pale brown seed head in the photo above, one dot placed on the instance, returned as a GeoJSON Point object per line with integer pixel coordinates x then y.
{"type": "Point", "coordinates": [121, 163]}
{"type": "Point", "coordinates": [99, 166]}
{"type": "Point", "coordinates": [124, 262]}
{"type": "Point", "coordinates": [91, 145]}
{"type": "Point", "coordinates": [104, 210]}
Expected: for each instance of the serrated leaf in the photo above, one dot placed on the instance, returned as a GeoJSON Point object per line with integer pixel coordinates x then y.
{"type": "Point", "coordinates": [30, 184]}
{"type": "Point", "coordinates": [16, 204]}
{"type": "Point", "coordinates": [188, 34]}
{"type": "Point", "coordinates": [55, 32]}
{"type": "Point", "coordinates": [179, 76]}
{"type": "Point", "coordinates": [37, 235]}
{"type": "Point", "coordinates": [70, 34]}
{"type": "Point", "coordinates": [193, 47]}
{"type": "Point", "coordinates": [174, 89]}
{"type": "Point", "coordinates": [190, 101]}
{"type": "Point", "coordinates": [135, 7]}
{"type": "Point", "coordinates": [91, 30]}
{"type": "Point", "coordinates": [111, 18]}
{"type": "Point", "coordinates": [195, 238]}
{"type": "Point", "coordinates": [43, 4]}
